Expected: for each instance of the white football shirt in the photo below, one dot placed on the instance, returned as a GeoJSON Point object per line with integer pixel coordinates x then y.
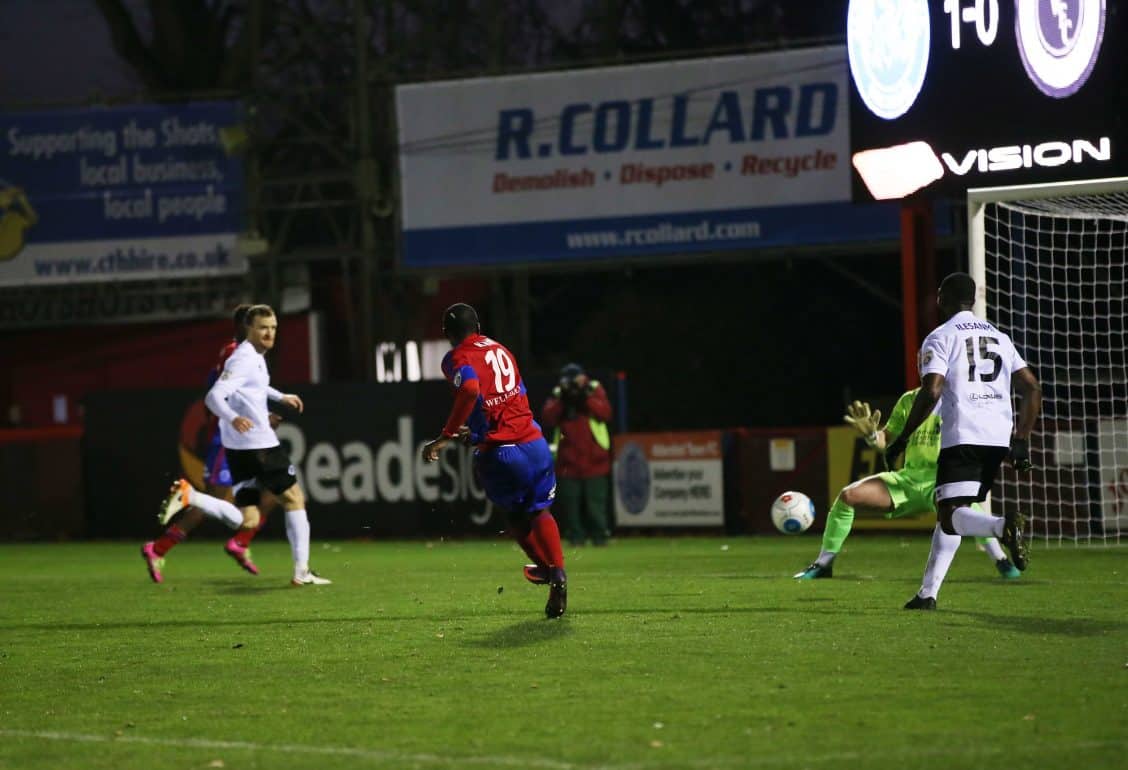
{"type": "Point", "coordinates": [242, 390]}
{"type": "Point", "coordinates": [977, 361]}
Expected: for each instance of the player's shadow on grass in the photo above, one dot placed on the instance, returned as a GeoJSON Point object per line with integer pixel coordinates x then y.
{"type": "Point", "coordinates": [1009, 585]}
{"type": "Point", "coordinates": [243, 587]}
{"type": "Point", "coordinates": [1036, 625]}
{"type": "Point", "coordinates": [523, 634]}
{"type": "Point", "coordinates": [784, 577]}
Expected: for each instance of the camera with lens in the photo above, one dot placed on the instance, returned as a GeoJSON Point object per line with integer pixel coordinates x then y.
{"type": "Point", "coordinates": [572, 386]}
{"type": "Point", "coordinates": [572, 393]}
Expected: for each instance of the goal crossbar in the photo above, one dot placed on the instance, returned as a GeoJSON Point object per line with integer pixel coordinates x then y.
{"type": "Point", "coordinates": [979, 197]}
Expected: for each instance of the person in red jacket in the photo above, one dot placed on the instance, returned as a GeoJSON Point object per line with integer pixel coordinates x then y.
{"type": "Point", "coordinates": [575, 417]}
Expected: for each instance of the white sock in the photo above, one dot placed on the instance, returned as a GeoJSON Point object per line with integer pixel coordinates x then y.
{"type": "Point", "coordinates": [297, 532]}
{"type": "Point", "coordinates": [216, 508]}
{"type": "Point", "coordinates": [940, 557]}
{"type": "Point", "coordinates": [993, 549]}
{"type": "Point", "coordinates": [826, 558]}
{"type": "Point", "coordinates": [969, 522]}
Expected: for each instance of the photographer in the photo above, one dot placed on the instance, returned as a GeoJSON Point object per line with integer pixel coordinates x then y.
{"type": "Point", "coordinates": [575, 419]}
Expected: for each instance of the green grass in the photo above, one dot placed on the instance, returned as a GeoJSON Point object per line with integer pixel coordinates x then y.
{"type": "Point", "coordinates": [675, 653]}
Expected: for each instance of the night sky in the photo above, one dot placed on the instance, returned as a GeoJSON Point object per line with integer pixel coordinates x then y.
{"type": "Point", "coordinates": [33, 35]}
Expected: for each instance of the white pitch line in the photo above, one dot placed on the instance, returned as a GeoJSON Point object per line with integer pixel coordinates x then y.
{"type": "Point", "coordinates": [287, 748]}
{"type": "Point", "coordinates": [906, 754]}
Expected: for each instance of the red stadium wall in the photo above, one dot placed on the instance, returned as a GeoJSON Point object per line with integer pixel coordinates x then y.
{"type": "Point", "coordinates": [42, 494]}
{"type": "Point", "coordinates": [757, 484]}
{"type": "Point", "coordinates": [71, 362]}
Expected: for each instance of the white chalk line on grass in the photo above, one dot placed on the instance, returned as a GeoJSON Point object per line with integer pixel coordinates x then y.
{"type": "Point", "coordinates": [287, 748]}
{"type": "Point", "coordinates": [549, 764]}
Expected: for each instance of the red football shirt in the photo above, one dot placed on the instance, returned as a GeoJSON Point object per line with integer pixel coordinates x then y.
{"type": "Point", "coordinates": [501, 413]}
{"type": "Point", "coordinates": [225, 354]}
{"type": "Point", "coordinates": [213, 375]}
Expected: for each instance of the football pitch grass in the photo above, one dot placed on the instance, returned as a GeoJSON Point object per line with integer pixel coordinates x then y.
{"type": "Point", "coordinates": [680, 652]}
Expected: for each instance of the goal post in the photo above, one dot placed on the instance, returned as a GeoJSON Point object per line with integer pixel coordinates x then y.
{"type": "Point", "coordinates": [1051, 264]}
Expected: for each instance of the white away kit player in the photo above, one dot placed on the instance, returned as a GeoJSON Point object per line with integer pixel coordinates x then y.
{"type": "Point", "coordinates": [257, 461]}
{"type": "Point", "coordinates": [968, 365]}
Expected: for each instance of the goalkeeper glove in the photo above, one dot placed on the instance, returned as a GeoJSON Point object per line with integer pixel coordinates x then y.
{"type": "Point", "coordinates": [1020, 454]}
{"type": "Point", "coordinates": [865, 422]}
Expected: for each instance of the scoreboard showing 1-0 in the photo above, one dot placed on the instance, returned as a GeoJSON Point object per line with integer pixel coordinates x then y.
{"type": "Point", "coordinates": [951, 94]}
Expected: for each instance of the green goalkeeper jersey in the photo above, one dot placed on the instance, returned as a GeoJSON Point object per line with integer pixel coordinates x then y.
{"type": "Point", "coordinates": [924, 444]}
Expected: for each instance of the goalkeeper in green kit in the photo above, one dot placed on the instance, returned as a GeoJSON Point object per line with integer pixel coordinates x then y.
{"type": "Point", "coordinates": [907, 492]}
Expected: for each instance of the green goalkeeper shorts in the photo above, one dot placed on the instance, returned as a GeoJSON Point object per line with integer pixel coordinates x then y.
{"type": "Point", "coordinates": [911, 496]}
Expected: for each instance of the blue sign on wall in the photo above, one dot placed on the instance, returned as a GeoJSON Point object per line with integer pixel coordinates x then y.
{"type": "Point", "coordinates": [119, 193]}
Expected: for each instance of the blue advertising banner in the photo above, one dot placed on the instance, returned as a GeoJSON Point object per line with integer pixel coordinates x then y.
{"type": "Point", "coordinates": [125, 193]}
{"type": "Point", "coordinates": [587, 239]}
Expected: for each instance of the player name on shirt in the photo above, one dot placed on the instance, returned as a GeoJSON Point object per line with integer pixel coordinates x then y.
{"type": "Point", "coordinates": [494, 401]}
{"type": "Point", "coordinates": [501, 413]}
{"type": "Point", "coordinates": [975, 406]}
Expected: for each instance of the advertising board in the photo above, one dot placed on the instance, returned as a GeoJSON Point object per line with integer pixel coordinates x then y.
{"type": "Point", "coordinates": [116, 194]}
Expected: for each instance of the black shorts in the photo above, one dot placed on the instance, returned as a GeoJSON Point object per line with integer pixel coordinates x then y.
{"type": "Point", "coordinates": [253, 470]}
{"type": "Point", "coordinates": [968, 471]}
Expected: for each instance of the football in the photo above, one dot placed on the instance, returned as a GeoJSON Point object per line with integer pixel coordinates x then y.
{"type": "Point", "coordinates": [793, 512]}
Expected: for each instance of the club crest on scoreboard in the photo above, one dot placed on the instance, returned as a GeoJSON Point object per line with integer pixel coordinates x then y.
{"type": "Point", "coordinates": [1060, 41]}
{"type": "Point", "coordinates": [887, 44]}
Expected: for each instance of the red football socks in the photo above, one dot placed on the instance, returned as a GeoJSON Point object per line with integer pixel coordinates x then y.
{"type": "Point", "coordinates": [546, 535]}
{"type": "Point", "coordinates": [529, 546]}
{"type": "Point", "coordinates": [243, 537]}
{"type": "Point", "coordinates": [171, 537]}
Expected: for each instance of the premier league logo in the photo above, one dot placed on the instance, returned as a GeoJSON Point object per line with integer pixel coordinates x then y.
{"type": "Point", "coordinates": [632, 478]}
{"type": "Point", "coordinates": [1059, 41]}
{"type": "Point", "coordinates": [887, 42]}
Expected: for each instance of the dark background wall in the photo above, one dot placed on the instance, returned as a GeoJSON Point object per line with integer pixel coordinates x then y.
{"type": "Point", "coordinates": [760, 342]}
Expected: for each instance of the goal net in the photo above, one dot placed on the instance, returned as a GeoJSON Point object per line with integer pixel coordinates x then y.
{"type": "Point", "coordinates": [1054, 263]}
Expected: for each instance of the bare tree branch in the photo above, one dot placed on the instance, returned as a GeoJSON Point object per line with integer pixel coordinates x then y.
{"type": "Point", "coordinates": [128, 43]}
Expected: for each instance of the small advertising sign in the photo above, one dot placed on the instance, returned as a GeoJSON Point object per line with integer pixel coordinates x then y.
{"type": "Point", "coordinates": [669, 480]}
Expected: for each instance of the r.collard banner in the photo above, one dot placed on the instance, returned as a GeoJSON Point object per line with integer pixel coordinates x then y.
{"type": "Point", "coordinates": [688, 156]}
{"type": "Point", "coordinates": [112, 194]}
